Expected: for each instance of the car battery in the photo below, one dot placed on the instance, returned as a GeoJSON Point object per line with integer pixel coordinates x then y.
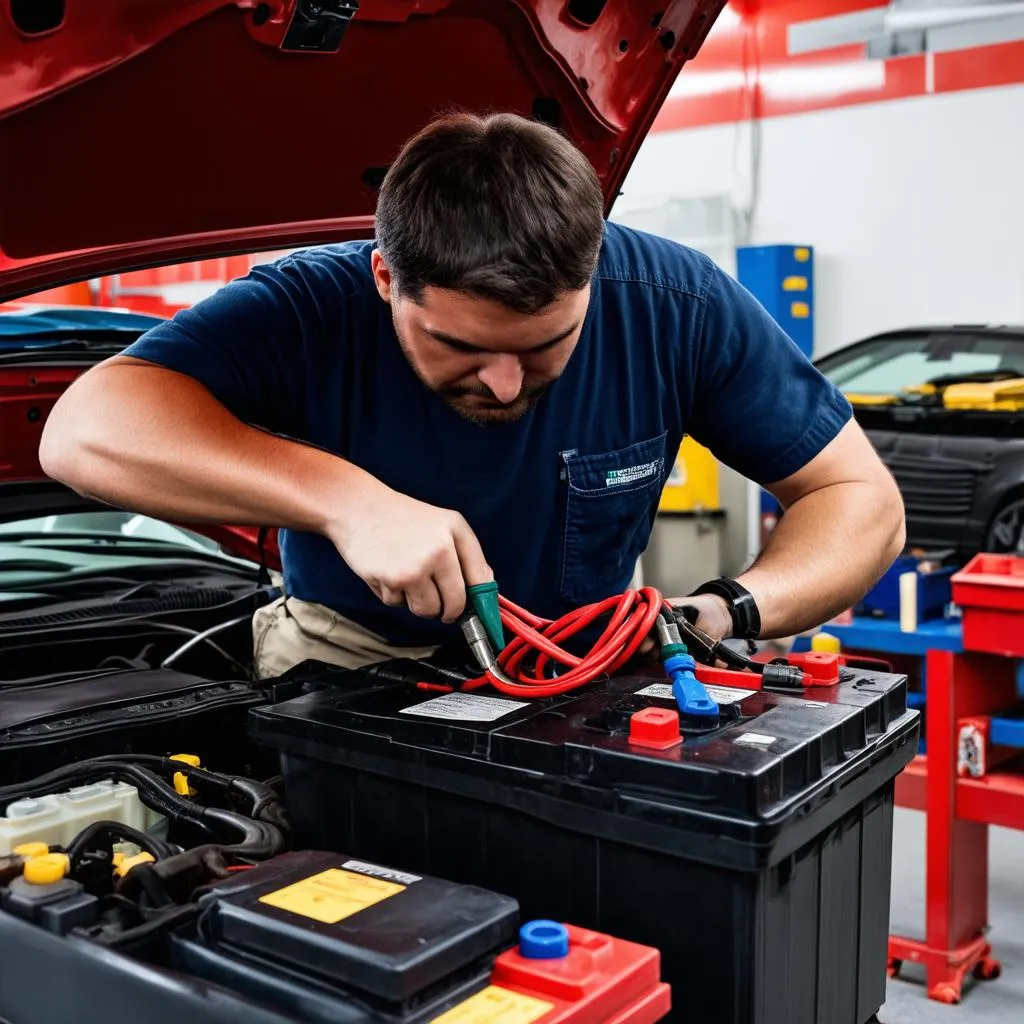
{"type": "Point", "coordinates": [756, 856]}
{"type": "Point", "coordinates": [320, 938]}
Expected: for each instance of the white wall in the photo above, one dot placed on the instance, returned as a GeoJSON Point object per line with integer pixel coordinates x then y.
{"type": "Point", "coordinates": [915, 207]}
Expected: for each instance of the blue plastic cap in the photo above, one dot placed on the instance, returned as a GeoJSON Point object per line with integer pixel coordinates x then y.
{"type": "Point", "coordinates": [543, 940]}
{"type": "Point", "coordinates": [691, 697]}
{"type": "Point", "coordinates": [680, 663]}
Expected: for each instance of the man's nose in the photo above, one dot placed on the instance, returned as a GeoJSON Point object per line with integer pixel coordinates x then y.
{"type": "Point", "coordinates": [503, 374]}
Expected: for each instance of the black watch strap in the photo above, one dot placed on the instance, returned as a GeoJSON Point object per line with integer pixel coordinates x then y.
{"type": "Point", "coordinates": [746, 619]}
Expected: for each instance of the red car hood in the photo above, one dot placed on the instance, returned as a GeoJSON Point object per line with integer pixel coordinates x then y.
{"type": "Point", "coordinates": [137, 132]}
{"type": "Point", "coordinates": [142, 132]}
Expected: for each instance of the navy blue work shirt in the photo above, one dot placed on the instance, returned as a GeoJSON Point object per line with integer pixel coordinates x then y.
{"type": "Point", "coordinates": [562, 501]}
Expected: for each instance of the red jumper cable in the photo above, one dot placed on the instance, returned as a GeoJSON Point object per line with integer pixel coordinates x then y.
{"type": "Point", "coordinates": [534, 664]}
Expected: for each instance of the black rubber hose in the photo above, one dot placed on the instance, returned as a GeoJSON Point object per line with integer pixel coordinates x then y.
{"type": "Point", "coordinates": [256, 839]}
{"type": "Point", "coordinates": [155, 793]}
{"type": "Point", "coordinates": [111, 829]}
{"type": "Point", "coordinates": [71, 773]}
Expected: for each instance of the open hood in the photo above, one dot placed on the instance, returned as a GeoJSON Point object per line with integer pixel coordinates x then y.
{"type": "Point", "coordinates": [139, 132]}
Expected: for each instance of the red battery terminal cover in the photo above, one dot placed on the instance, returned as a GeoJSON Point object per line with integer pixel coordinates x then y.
{"type": "Point", "coordinates": [602, 980]}
{"type": "Point", "coordinates": [656, 728]}
{"type": "Point", "coordinates": [822, 667]}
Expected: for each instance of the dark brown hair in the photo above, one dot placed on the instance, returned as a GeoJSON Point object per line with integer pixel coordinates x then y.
{"type": "Point", "coordinates": [500, 206]}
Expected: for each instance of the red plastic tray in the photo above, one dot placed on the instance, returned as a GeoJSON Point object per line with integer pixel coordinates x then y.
{"type": "Point", "coordinates": [990, 592]}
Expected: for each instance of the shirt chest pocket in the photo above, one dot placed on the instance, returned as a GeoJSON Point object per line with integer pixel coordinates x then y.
{"type": "Point", "coordinates": [611, 503]}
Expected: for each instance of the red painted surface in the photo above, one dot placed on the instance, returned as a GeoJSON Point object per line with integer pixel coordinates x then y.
{"type": "Point", "coordinates": [27, 395]}
{"type": "Point", "coordinates": [744, 70]}
{"type": "Point", "coordinates": [155, 131]}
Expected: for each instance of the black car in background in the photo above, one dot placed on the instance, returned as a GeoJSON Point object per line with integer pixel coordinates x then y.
{"type": "Point", "coordinates": [944, 406]}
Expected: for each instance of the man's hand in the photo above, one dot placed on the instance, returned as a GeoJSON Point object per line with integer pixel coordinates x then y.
{"type": "Point", "coordinates": [713, 615]}
{"type": "Point", "coordinates": [713, 618]}
{"type": "Point", "coordinates": [411, 553]}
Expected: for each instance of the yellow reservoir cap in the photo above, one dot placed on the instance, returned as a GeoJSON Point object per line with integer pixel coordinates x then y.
{"type": "Point", "coordinates": [181, 786]}
{"type": "Point", "coordinates": [826, 643]}
{"type": "Point", "coordinates": [123, 865]}
{"type": "Point", "coordinates": [46, 869]}
{"type": "Point", "coordinates": [31, 850]}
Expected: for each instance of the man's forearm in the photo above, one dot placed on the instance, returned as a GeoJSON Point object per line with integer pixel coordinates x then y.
{"type": "Point", "coordinates": [188, 459]}
{"type": "Point", "coordinates": [826, 552]}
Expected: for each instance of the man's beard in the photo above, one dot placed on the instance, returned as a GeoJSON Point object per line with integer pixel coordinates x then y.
{"type": "Point", "coordinates": [478, 404]}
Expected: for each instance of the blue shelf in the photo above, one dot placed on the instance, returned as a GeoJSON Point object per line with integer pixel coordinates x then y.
{"type": "Point", "coordinates": [1007, 732]}
{"type": "Point", "coordinates": [885, 636]}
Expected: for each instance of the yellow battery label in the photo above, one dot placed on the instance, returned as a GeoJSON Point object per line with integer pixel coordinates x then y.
{"type": "Point", "coordinates": [332, 895]}
{"type": "Point", "coordinates": [496, 1005]}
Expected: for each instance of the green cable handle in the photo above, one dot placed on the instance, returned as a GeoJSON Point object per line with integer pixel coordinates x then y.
{"type": "Point", "coordinates": [484, 599]}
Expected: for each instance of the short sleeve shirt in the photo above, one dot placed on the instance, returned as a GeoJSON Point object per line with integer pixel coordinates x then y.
{"type": "Point", "coordinates": [563, 501]}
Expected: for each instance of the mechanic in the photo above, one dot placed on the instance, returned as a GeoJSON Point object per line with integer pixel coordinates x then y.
{"type": "Point", "coordinates": [495, 387]}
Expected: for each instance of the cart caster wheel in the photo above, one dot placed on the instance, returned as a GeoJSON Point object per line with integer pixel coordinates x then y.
{"type": "Point", "coordinates": [987, 969]}
{"type": "Point", "coordinates": [893, 969]}
{"type": "Point", "coordinates": [945, 994]}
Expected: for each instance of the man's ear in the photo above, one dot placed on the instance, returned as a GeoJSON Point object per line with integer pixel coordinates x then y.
{"type": "Point", "coordinates": [381, 276]}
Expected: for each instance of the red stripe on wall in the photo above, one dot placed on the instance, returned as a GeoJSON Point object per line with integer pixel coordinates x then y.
{"type": "Point", "coordinates": [980, 68]}
{"type": "Point", "coordinates": [744, 69]}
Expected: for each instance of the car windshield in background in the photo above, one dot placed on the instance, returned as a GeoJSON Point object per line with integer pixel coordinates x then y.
{"type": "Point", "coordinates": [105, 528]}
{"type": "Point", "coordinates": [885, 366]}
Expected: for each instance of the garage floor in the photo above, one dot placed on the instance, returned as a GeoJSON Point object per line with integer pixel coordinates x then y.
{"type": "Point", "coordinates": [994, 1002]}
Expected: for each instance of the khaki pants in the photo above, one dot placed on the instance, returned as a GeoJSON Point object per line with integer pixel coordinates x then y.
{"type": "Point", "coordinates": [288, 632]}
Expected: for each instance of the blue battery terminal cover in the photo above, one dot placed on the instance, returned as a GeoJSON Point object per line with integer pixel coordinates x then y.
{"type": "Point", "coordinates": [687, 689]}
{"type": "Point", "coordinates": [543, 940]}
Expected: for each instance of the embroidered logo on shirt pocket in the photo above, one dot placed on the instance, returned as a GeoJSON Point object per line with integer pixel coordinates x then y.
{"type": "Point", "coordinates": [611, 503]}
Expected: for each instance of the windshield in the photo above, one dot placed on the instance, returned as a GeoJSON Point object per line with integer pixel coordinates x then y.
{"type": "Point", "coordinates": [888, 365]}
{"type": "Point", "coordinates": [98, 554]}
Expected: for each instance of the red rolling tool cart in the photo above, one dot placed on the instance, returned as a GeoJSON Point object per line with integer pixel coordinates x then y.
{"type": "Point", "coordinates": [974, 776]}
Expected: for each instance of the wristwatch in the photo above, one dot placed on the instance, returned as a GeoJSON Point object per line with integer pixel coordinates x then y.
{"type": "Point", "coordinates": [746, 619]}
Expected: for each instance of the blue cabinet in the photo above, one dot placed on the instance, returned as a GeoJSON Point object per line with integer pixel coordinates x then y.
{"type": "Point", "coordinates": [781, 277]}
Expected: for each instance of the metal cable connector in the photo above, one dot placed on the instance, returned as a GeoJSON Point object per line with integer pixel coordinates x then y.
{"type": "Point", "coordinates": [480, 646]}
{"type": "Point", "coordinates": [668, 632]}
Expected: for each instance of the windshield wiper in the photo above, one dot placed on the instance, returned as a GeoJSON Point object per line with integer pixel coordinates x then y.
{"type": "Point", "coordinates": [91, 541]}
{"type": "Point", "coordinates": [45, 348]}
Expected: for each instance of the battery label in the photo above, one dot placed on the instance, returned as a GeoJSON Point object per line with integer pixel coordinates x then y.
{"type": "Point", "coordinates": [756, 739]}
{"type": "Point", "coordinates": [388, 874]}
{"type": "Point", "coordinates": [465, 707]}
{"type": "Point", "coordinates": [331, 895]}
{"type": "Point", "coordinates": [496, 1005]}
{"type": "Point", "coordinates": [719, 694]}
